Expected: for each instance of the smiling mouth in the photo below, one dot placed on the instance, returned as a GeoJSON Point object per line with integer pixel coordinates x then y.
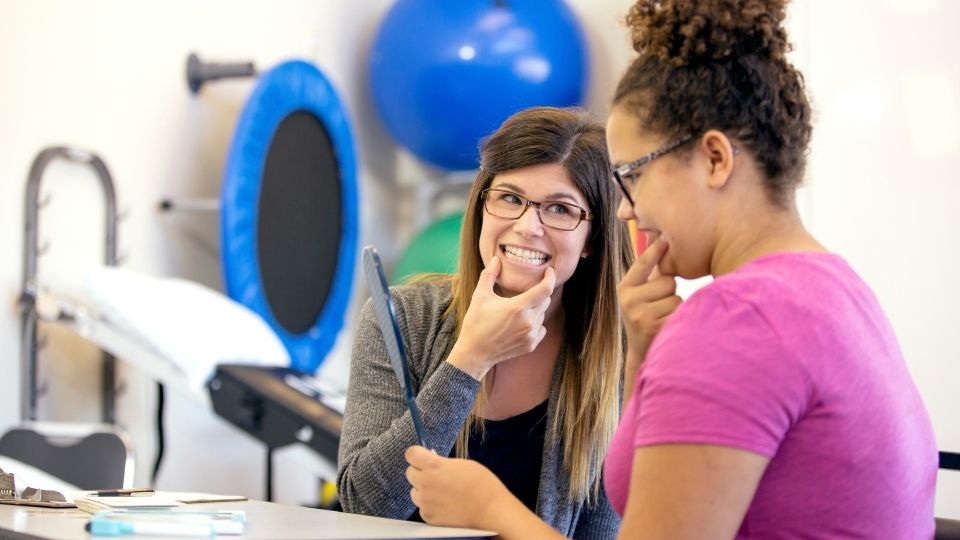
{"type": "Point", "coordinates": [524, 256]}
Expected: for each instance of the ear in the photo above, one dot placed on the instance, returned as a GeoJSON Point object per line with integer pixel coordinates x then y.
{"type": "Point", "coordinates": [720, 152]}
{"type": "Point", "coordinates": [587, 248]}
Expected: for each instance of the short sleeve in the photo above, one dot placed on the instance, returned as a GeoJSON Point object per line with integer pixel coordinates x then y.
{"type": "Point", "coordinates": [719, 373]}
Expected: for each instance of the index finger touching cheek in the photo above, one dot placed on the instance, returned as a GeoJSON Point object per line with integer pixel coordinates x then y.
{"type": "Point", "coordinates": [646, 264]}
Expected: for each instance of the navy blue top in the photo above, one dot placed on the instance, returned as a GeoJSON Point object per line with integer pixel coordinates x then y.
{"type": "Point", "coordinates": [512, 449]}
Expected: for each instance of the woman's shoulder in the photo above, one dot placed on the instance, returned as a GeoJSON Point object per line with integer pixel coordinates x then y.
{"type": "Point", "coordinates": [428, 297]}
{"type": "Point", "coordinates": [422, 307]}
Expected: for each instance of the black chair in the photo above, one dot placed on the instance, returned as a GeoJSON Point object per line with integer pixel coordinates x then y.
{"type": "Point", "coordinates": [948, 529]}
{"type": "Point", "coordinates": [87, 456]}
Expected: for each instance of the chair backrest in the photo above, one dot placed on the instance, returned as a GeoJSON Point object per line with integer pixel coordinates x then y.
{"type": "Point", "coordinates": [89, 456]}
{"type": "Point", "coordinates": [948, 529]}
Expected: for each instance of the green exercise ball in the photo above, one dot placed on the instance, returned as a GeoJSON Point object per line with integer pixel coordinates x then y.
{"type": "Point", "coordinates": [435, 249]}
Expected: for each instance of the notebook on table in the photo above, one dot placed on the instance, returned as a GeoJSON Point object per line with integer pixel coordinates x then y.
{"type": "Point", "coordinates": [94, 504]}
{"type": "Point", "coordinates": [46, 498]}
{"type": "Point", "coordinates": [161, 499]}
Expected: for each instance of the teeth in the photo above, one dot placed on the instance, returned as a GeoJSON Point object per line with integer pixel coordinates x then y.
{"type": "Point", "coordinates": [525, 255]}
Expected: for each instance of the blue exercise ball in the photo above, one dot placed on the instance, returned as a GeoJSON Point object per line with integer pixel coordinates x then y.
{"type": "Point", "coordinates": [445, 74]}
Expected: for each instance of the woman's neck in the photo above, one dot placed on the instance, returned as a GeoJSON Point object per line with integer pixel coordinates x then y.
{"type": "Point", "coordinates": [758, 233]}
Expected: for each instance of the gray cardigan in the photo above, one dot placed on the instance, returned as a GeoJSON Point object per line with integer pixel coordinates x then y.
{"type": "Point", "coordinates": [377, 427]}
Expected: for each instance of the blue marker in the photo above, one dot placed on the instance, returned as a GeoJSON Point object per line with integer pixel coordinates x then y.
{"type": "Point", "coordinates": [122, 522]}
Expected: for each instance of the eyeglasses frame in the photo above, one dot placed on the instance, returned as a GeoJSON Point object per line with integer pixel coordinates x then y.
{"type": "Point", "coordinates": [628, 168]}
{"type": "Point", "coordinates": [527, 203]}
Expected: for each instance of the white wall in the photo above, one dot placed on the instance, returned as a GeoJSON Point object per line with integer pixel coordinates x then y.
{"type": "Point", "coordinates": [108, 75]}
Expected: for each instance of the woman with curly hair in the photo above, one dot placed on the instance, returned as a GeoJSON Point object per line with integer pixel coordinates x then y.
{"type": "Point", "coordinates": [774, 402]}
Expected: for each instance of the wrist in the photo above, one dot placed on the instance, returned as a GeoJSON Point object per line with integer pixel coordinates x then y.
{"type": "Point", "coordinates": [505, 515]}
{"type": "Point", "coordinates": [469, 363]}
{"type": "Point", "coordinates": [495, 508]}
{"type": "Point", "coordinates": [632, 360]}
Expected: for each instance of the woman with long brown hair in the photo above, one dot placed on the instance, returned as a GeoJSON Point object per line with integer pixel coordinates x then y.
{"type": "Point", "coordinates": [516, 359]}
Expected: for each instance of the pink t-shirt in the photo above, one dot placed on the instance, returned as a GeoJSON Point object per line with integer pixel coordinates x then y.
{"type": "Point", "coordinates": [791, 357]}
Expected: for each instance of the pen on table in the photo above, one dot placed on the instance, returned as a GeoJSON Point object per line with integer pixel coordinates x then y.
{"type": "Point", "coordinates": [139, 492]}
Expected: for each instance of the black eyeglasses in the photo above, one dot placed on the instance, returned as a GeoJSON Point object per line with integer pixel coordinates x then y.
{"type": "Point", "coordinates": [559, 215]}
{"type": "Point", "coordinates": [627, 170]}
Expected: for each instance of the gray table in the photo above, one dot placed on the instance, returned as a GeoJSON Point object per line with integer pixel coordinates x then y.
{"type": "Point", "coordinates": [265, 521]}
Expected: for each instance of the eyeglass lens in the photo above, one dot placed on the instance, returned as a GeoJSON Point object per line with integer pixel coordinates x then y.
{"type": "Point", "coordinates": [556, 214]}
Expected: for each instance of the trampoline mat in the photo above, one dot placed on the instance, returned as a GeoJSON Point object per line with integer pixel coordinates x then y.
{"type": "Point", "coordinates": [300, 221]}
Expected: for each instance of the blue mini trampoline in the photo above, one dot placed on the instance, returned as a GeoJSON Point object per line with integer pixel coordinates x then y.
{"type": "Point", "coordinates": [289, 210]}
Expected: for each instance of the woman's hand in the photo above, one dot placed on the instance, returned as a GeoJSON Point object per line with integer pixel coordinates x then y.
{"type": "Point", "coordinates": [453, 492]}
{"type": "Point", "coordinates": [497, 328]}
{"type": "Point", "coordinates": [646, 301]}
